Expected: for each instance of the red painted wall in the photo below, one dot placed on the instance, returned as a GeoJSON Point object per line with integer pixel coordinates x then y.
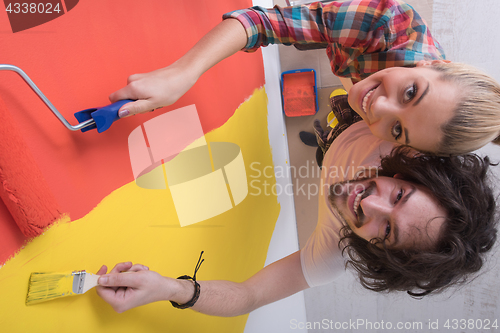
{"type": "Point", "coordinates": [78, 59]}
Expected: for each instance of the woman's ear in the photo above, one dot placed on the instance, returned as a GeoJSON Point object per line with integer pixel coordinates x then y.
{"type": "Point", "coordinates": [423, 63]}
{"type": "Point", "coordinates": [432, 62]}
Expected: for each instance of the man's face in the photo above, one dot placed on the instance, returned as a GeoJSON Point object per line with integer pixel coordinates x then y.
{"type": "Point", "coordinates": [406, 215]}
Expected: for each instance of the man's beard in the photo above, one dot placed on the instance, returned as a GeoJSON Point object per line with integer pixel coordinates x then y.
{"type": "Point", "coordinates": [339, 201]}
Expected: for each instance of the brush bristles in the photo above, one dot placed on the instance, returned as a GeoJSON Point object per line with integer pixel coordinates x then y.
{"type": "Point", "coordinates": [46, 286]}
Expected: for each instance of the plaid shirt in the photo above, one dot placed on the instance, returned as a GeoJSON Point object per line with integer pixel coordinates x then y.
{"type": "Point", "coordinates": [361, 36]}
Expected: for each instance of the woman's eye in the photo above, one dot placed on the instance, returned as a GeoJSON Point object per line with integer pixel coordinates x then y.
{"type": "Point", "coordinates": [410, 93]}
{"type": "Point", "coordinates": [396, 131]}
{"type": "Point", "coordinates": [388, 230]}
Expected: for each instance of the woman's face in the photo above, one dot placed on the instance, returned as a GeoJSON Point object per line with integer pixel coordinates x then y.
{"type": "Point", "coordinates": [406, 105]}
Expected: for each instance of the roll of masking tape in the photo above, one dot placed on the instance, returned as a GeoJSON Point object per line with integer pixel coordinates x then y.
{"type": "Point", "coordinates": [331, 120]}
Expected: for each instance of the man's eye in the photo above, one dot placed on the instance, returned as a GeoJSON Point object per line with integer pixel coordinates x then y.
{"type": "Point", "coordinates": [399, 196]}
{"type": "Point", "coordinates": [410, 93]}
{"type": "Point", "coordinates": [396, 131]}
{"type": "Point", "coordinates": [387, 230]}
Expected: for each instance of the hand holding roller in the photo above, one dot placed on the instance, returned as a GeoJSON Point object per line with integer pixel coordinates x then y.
{"type": "Point", "coordinates": [99, 118]}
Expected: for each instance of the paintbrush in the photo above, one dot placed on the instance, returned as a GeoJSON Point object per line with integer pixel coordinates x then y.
{"type": "Point", "coordinates": [47, 286]}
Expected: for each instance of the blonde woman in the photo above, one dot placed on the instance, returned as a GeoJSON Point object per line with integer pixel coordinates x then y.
{"type": "Point", "coordinates": [404, 88]}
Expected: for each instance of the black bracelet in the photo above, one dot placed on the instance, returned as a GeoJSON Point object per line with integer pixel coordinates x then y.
{"type": "Point", "coordinates": [196, 287]}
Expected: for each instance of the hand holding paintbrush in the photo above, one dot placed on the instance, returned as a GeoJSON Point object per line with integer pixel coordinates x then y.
{"type": "Point", "coordinates": [138, 286]}
{"type": "Point", "coordinates": [47, 286]}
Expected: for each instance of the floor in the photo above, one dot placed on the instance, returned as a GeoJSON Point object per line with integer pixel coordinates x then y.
{"type": "Point", "coordinates": [458, 25]}
{"type": "Point", "coordinates": [305, 171]}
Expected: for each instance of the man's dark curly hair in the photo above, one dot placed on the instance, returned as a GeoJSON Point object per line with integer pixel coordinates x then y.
{"type": "Point", "coordinates": [460, 185]}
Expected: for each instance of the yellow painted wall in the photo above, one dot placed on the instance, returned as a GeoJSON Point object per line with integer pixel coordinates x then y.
{"type": "Point", "coordinates": [140, 225]}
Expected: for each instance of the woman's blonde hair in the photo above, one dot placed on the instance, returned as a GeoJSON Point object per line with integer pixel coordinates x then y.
{"type": "Point", "coordinates": [477, 115]}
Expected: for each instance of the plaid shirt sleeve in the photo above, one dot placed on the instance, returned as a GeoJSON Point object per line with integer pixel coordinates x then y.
{"type": "Point", "coordinates": [362, 36]}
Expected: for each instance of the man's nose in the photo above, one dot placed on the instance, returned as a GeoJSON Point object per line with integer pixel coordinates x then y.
{"type": "Point", "coordinates": [375, 209]}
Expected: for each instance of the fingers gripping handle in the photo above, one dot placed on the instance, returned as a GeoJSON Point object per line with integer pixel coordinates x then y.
{"type": "Point", "coordinates": [103, 117]}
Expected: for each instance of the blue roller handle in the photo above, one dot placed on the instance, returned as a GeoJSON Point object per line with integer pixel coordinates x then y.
{"type": "Point", "coordinates": [103, 117]}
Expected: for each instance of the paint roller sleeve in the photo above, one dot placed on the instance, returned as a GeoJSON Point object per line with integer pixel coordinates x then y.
{"type": "Point", "coordinates": [22, 186]}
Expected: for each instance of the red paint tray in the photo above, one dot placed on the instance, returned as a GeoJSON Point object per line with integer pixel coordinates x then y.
{"type": "Point", "coordinates": [299, 93]}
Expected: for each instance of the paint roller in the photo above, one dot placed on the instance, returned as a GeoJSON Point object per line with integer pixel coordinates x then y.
{"type": "Point", "coordinates": [23, 188]}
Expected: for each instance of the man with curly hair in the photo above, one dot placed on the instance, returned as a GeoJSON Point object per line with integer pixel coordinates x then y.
{"type": "Point", "coordinates": [407, 222]}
